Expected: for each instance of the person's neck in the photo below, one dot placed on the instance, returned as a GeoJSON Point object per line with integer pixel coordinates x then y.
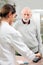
{"type": "Point", "coordinates": [5, 20]}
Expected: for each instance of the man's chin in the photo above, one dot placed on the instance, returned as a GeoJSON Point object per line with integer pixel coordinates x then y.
{"type": "Point", "coordinates": [26, 20]}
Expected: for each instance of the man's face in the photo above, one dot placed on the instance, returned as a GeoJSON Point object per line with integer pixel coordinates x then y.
{"type": "Point", "coordinates": [26, 15]}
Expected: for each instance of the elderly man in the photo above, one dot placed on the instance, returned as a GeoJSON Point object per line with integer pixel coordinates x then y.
{"type": "Point", "coordinates": [31, 33]}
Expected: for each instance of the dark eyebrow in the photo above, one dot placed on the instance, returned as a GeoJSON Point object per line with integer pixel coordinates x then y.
{"type": "Point", "coordinates": [27, 14]}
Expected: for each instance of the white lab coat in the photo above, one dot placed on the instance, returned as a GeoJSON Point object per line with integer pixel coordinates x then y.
{"type": "Point", "coordinates": [31, 33]}
{"type": "Point", "coordinates": [11, 40]}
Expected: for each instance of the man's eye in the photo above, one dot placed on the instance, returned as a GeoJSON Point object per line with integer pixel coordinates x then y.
{"type": "Point", "coordinates": [26, 14]}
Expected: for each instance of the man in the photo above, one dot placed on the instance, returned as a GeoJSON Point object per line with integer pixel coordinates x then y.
{"type": "Point", "coordinates": [30, 31]}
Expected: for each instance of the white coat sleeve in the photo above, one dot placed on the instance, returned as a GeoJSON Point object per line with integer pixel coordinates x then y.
{"type": "Point", "coordinates": [18, 45]}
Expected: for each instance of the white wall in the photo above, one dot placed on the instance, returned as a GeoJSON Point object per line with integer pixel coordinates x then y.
{"type": "Point", "coordinates": [20, 4]}
{"type": "Point", "coordinates": [30, 3]}
{"type": "Point", "coordinates": [33, 4]}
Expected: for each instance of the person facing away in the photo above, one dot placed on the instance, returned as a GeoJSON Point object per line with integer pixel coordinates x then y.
{"type": "Point", "coordinates": [30, 32]}
{"type": "Point", "coordinates": [10, 39]}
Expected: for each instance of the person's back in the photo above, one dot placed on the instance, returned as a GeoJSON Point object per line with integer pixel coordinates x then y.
{"type": "Point", "coordinates": [7, 54]}
{"type": "Point", "coordinates": [6, 51]}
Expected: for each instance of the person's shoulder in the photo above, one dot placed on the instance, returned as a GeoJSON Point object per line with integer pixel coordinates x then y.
{"type": "Point", "coordinates": [36, 18]}
{"type": "Point", "coordinates": [33, 21]}
{"type": "Point", "coordinates": [13, 31]}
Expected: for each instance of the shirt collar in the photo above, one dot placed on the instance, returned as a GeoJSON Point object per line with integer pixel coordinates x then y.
{"type": "Point", "coordinates": [25, 22]}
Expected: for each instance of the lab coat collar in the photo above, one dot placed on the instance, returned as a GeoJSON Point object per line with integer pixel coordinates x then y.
{"type": "Point", "coordinates": [5, 22]}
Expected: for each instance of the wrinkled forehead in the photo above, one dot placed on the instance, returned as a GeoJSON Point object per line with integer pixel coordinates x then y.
{"type": "Point", "coordinates": [26, 11]}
